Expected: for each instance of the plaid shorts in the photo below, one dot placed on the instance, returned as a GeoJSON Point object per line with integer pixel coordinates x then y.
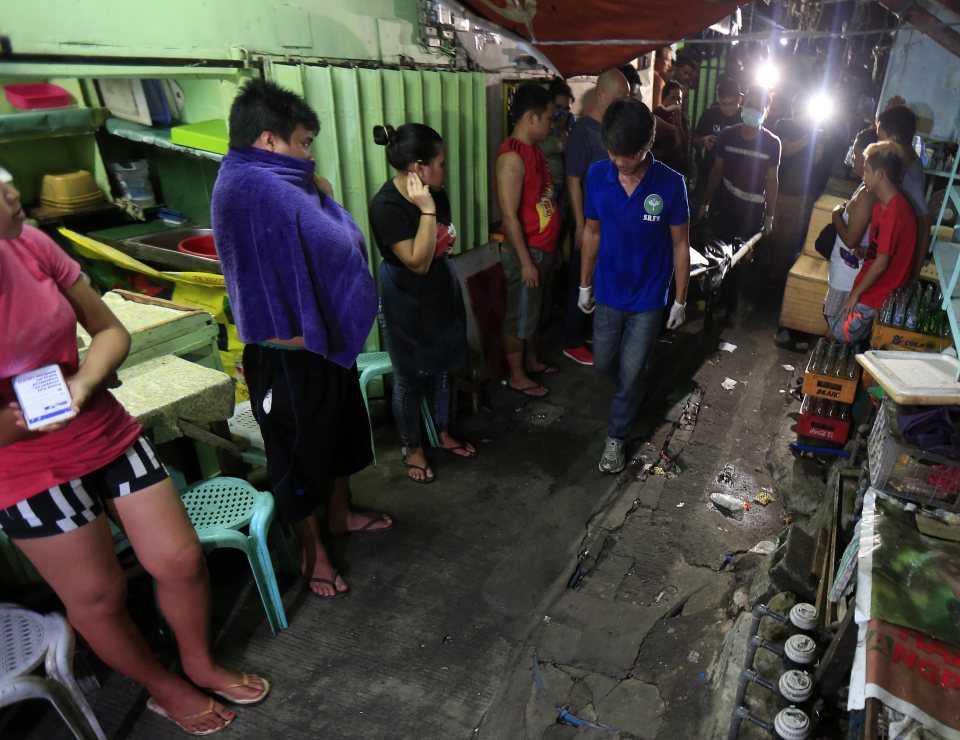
{"type": "Point", "coordinates": [77, 502]}
{"type": "Point", "coordinates": [833, 301]}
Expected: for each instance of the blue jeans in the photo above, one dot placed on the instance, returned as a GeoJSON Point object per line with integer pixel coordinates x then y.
{"type": "Point", "coordinates": [621, 343]}
{"type": "Point", "coordinates": [407, 393]}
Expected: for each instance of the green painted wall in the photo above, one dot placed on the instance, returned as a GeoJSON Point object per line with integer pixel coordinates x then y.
{"type": "Point", "coordinates": [379, 30]}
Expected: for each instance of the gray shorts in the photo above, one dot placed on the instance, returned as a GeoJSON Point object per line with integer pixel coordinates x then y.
{"type": "Point", "coordinates": [524, 304]}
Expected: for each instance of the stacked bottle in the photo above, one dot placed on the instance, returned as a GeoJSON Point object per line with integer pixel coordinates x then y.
{"type": "Point", "coordinates": [916, 309]}
{"type": "Point", "coordinates": [833, 358]}
{"type": "Point", "coordinates": [826, 409]}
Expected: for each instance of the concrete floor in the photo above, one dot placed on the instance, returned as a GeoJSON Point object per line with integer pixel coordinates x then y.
{"type": "Point", "coordinates": [446, 613]}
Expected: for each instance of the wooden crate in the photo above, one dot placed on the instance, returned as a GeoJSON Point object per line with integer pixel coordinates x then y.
{"type": "Point", "coordinates": [820, 216]}
{"type": "Point", "coordinates": [898, 338]}
{"type": "Point", "coordinates": [802, 307]}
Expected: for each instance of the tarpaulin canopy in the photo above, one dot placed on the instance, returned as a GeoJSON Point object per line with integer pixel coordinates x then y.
{"type": "Point", "coordinates": [588, 36]}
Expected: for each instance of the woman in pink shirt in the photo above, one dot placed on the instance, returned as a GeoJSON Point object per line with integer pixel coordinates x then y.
{"type": "Point", "coordinates": [57, 483]}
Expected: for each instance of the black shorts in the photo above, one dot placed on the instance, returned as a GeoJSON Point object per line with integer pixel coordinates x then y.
{"type": "Point", "coordinates": [314, 424]}
{"type": "Point", "coordinates": [71, 505]}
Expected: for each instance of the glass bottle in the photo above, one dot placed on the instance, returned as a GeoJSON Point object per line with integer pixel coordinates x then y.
{"type": "Point", "coordinates": [840, 364]}
{"type": "Point", "coordinates": [900, 307]}
{"type": "Point", "coordinates": [913, 308]}
{"type": "Point", "coordinates": [886, 310]}
{"type": "Point", "coordinates": [851, 369]}
{"type": "Point", "coordinates": [816, 359]}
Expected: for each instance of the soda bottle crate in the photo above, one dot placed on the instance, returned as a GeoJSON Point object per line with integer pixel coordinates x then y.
{"type": "Point", "coordinates": [821, 427]}
{"type": "Point", "coordinates": [908, 472]}
{"type": "Point", "coordinates": [897, 338]}
{"type": "Point", "coordinates": [831, 387]}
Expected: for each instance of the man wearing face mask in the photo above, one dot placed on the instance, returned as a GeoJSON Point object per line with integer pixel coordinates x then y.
{"type": "Point", "coordinates": [722, 114]}
{"type": "Point", "coordinates": [743, 183]}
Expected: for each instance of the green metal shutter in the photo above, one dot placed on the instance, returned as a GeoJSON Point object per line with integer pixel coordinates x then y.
{"type": "Point", "coordinates": [351, 101]}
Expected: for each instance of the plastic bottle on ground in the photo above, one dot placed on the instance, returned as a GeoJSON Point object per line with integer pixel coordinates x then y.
{"type": "Point", "coordinates": [728, 502]}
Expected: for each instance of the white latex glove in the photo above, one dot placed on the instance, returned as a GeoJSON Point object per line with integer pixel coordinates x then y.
{"type": "Point", "coordinates": [585, 302]}
{"type": "Point", "coordinates": [678, 313]}
{"type": "Point", "coordinates": [767, 225]}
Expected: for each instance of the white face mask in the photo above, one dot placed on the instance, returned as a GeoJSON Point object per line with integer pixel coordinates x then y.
{"type": "Point", "coordinates": [752, 117]}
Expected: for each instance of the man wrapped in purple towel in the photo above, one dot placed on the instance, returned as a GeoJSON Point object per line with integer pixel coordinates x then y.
{"type": "Point", "coordinates": [300, 289]}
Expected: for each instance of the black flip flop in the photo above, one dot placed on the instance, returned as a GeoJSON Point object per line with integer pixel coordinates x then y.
{"type": "Point", "coordinates": [330, 581]}
{"type": "Point", "coordinates": [424, 468]}
{"type": "Point", "coordinates": [547, 370]}
{"type": "Point", "coordinates": [523, 391]}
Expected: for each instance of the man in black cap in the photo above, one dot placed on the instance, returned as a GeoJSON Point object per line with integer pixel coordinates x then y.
{"type": "Point", "coordinates": [722, 114]}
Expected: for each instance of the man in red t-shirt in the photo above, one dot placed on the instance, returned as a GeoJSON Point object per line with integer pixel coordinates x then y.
{"type": "Point", "coordinates": [531, 225]}
{"type": "Point", "coordinates": [888, 261]}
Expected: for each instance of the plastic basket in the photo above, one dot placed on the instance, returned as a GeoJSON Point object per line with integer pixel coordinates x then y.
{"type": "Point", "coordinates": [908, 472]}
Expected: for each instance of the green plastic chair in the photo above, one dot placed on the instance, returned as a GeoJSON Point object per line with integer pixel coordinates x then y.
{"type": "Point", "coordinates": [373, 365]}
{"type": "Point", "coordinates": [218, 509]}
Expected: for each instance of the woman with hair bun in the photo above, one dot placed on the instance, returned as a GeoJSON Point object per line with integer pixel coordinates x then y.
{"type": "Point", "coordinates": [425, 322]}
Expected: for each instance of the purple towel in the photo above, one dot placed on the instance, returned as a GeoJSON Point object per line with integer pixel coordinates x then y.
{"type": "Point", "coordinates": [293, 259]}
{"type": "Point", "coordinates": [932, 428]}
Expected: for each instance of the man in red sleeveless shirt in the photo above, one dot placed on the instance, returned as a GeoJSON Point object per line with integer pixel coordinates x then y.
{"type": "Point", "coordinates": [531, 225]}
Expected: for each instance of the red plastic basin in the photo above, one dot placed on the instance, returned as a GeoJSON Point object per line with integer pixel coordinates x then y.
{"type": "Point", "coordinates": [199, 246]}
{"type": "Point", "coordinates": [33, 95]}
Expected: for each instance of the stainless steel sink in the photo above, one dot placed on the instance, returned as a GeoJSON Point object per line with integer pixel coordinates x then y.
{"type": "Point", "coordinates": [160, 248]}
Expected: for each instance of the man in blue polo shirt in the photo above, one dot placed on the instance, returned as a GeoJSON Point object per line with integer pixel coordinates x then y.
{"type": "Point", "coordinates": [636, 237]}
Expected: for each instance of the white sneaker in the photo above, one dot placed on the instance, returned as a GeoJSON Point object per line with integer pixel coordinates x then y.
{"type": "Point", "coordinates": [613, 459]}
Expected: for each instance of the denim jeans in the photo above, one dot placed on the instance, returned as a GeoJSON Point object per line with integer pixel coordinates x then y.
{"type": "Point", "coordinates": [621, 343]}
{"type": "Point", "coordinates": [408, 391]}
{"type": "Point", "coordinates": [576, 323]}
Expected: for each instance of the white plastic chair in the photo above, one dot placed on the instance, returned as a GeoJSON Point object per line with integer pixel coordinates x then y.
{"type": "Point", "coordinates": [28, 639]}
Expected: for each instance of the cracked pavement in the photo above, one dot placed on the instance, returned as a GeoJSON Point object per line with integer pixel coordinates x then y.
{"type": "Point", "coordinates": [450, 613]}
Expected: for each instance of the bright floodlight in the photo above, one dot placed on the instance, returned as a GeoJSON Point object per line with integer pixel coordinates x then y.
{"type": "Point", "coordinates": [820, 107]}
{"type": "Point", "coordinates": [784, 41]}
{"type": "Point", "coordinates": [767, 75]}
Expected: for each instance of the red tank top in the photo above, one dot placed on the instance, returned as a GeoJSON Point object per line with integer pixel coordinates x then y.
{"type": "Point", "coordinates": [538, 206]}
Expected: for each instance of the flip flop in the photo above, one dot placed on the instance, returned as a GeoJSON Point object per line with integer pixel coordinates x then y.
{"type": "Point", "coordinates": [178, 721]}
{"type": "Point", "coordinates": [547, 370]}
{"type": "Point", "coordinates": [330, 581]}
{"type": "Point", "coordinates": [222, 693]}
{"type": "Point", "coordinates": [452, 451]}
{"type": "Point", "coordinates": [368, 527]}
{"type": "Point", "coordinates": [525, 391]}
{"type": "Point", "coordinates": [424, 468]}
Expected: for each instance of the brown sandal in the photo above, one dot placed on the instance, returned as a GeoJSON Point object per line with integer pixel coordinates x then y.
{"type": "Point", "coordinates": [222, 693]}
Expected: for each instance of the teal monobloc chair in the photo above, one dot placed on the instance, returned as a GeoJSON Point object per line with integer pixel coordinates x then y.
{"type": "Point", "coordinates": [372, 365]}
{"type": "Point", "coordinates": [218, 509]}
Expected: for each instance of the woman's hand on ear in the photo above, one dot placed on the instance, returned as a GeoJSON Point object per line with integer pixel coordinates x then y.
{"type": "Point", "coordinates": [419, 194]}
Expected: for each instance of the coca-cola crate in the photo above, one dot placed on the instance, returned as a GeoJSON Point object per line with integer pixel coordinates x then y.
{"type": "Point", "coordinates": [906, 471]}
{"type": "Point", "coordinates": [818, 426]}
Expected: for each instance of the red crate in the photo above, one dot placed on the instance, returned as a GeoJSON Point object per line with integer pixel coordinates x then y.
{"type": "Point", "coordinates": [34, 95]}
{"type": "Point", "coordinates": [823, 427]}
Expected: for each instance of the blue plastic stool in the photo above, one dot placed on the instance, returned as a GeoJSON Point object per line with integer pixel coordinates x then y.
{"type": "Point", "coordinates": [218, 509]}
{"type": "Point", "coordinates": [373, 365]}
